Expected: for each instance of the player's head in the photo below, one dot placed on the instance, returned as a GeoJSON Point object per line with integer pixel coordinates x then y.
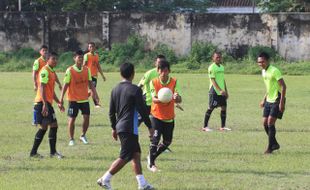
{"type": "Point", "coordinates": [263, 60]}
{"type": "Point", "coordinates": [51, 59]}
{"type": "Point", "coordinates": [43, 50]}
{"type": "Point", "coordinates": [163, 69]}
{"type": "Point", "coordinates": [127, 71]}
{"type": "Point", "coordinates": [217, 57]}
{"type": "Point", "coordinates": [78, 57]}
{"type": "Point", "coordinates": [158, 59]}
{"type": "Point", "coordinates": [91, 46]}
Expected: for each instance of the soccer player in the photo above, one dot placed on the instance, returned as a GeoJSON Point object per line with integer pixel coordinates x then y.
{"type": "Point", "coordinates": [218, 93]}
{"type": "Point", "coordinates": [77, 81]}
{"type": "Point", "coordinates": [162, 114]}
{"type": "Point", "coordinates": [125, 104]}
{"type": "Point", "coordinates": [145, 84]}
{"type": "Point", "coordinates": [91, 60]}
{"type": "Point", "coordinates": [45, 115]}
{"type": "Point", "coordinates": [273, 101]}
{"type": "Point", "coordinates": [37, 66]}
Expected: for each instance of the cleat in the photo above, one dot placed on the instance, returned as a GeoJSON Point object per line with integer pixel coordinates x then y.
{"type": "Point", "coordinates": [206, 129]}
{"type": "Point", "coordinates": [104, 184]}
{"type": "Point", "coordinates": [153, 168]}
{"type": "Point", "coordinates": [57, 155]}
{"type": "Point", "coordinates": [36, 155]}
{"type": "Point", "coordinates": [225, 129]}
{"type": "Point", "coordinates": [268, 151]}
{"type": "Point", "coordinates": [84, 139]}
{"type": "Point", "coordinates": [71, 142]}
{"type": "Point", "coordinates": [275, 147]}
{"type": "Point", "coordinates": [147, 186]}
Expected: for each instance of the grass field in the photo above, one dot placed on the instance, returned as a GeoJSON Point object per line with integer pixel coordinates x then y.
{"type": "Point", "coordinates": [200, 161]}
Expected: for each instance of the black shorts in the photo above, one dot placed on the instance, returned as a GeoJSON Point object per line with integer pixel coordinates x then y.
{"type": "Point", "coordinates": [39, 118]}
{"type": "Point", "coordinates": [94, 81]}
{"type": "Point", "coordinates": [129, 145]}
{"type": "Point", "coordinates": [162, 128]}
{"type": "Point", "coordinates": [74, 107]}
{"type": "Point", "coordinates": [216, 100]}
{"type": "Point", "coordinates": [272, 109]}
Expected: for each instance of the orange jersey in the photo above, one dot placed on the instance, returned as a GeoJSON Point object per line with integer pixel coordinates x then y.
{"type": "Point", "coordinates": [38, 65]}
{"type": "Point", "coordinates": [78, 86]}
{"type": "Point", "coordinates": [47, 76]}
{"type": "Point", "coordinates": [92, 61]}
{"type": "Point", "coordinates": [163, 111]}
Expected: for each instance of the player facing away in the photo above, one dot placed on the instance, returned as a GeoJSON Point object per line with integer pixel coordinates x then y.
{"type": "Point", "coordinates": [274, 99]}
{"type": "Point", "coordinates": [162, 114]}
{"type": "Point", "coordinates": [145, 84]}
{"type": "Point", "coordinates": [218, 93]}
{"type": "Point", "coordinates": [125, 104]}
{"type": "Point", "coordinates": [91, 60]}
{"type": "Point", "coordinates": [36, 68]}
{"type": "Point", "coordinates": [45, 115]}
{"type": "Point", "coordinates": [77, 81]}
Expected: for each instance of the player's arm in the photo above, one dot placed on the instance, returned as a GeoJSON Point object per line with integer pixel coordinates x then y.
{"type": "Point", "coordinates": [58, 82]}
{"type": "Point", "coordinates": [143, 112]}
{"type": "Point", "coordinates": [35, 74]}
{"type": "Point", "coordinates": [44, 80]}
{"type": "Point", "coordinates": [226, 90]}
{"type": "Point", "coordinates": [85, 59]}
{"type": "Point", "coordinates": [216, 86]}
{"type": "Point", "coordinates": [67, 81]}
{"type": "Point", "coordinates": [141, 82]}
{"type": "Point", "coordinates": [177, 97]}
{"type": "Point", "coordinates": [92, 88]}
{"type": "Point", "coordinates": [262, 103]}
{"type": "Point", "coordinates": [283, 94]}
{"type": "Point", "coordinates": [153, 93]}
{"type": "Point", "coordinates": [59, 104]}
{"type": "Point", "coordinates": [112, 116]}
{"type": "Point", "coordinates": [100, 71]}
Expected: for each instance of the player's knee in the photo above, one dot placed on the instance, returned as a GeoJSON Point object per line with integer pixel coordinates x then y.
{"type": "Point", "coordinates": [209, 111]}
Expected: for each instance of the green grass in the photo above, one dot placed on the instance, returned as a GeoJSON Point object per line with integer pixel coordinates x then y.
{"type": "Point", "coordinates": [200, 161]}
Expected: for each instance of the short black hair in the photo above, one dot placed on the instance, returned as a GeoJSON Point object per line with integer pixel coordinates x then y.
{"type": "Point", "coordinates": [51, 54]}
{"type": "Point", "coordinates": [217, 52]}
{"type": "Point", "coordinates": [78, 52]}
{"type": "Point", "coordinates": [92, 43]}
{"type": "Point", "coordinates": [43, 47]}
{"type": "Point", "coordinates": [264, 55]}
{"type": "Point", "coordinates": [163, 64]}
{"type": "Point", "coordinates": [127, 70]}
{"type": "Point", "coordinates": [160, 56]}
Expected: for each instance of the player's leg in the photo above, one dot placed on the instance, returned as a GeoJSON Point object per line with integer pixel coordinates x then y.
{"type": "Point", "coordinates": [136, 165]}
{"type": "Point", "coordinates": [274, 112]}
{"type": "Point", "coordinates": [94, 81]}
{"type": "Point", "coordinates": [84, 107]}
{"type": "Point", "coordinates": [72, 114]}
{"type": "Point", "coordinates": [157, 125]}
{"type": "Point", "coordinates": [52, 136]}
{"type": "Point", "coordinates": [212, 104]}
{"type": "Point", "coordinates": [167, 133]}
{"type": "Point", "coordinates": [125, 156]}
{"type": "Point", "coordinates": [41, 131]}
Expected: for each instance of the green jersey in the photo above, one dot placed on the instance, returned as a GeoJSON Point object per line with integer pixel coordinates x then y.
{"type": "Point", "coordinates": [217, 72]}
{"type": "Point", "coordinates": [145, 82]}
{"type": "Point", "coordinates": [271, 77]}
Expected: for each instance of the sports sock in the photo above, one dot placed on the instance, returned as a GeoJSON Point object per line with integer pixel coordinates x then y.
{"type": "Point", "coordinates": [223, 118]}
{"type": "Point", "coordinates": [141, 180]}
{"type": "Point", "coordinates": [52, 137]}
{"type": "Point", "coordinates": [272, 135]}
{"type": "Point", "coordinates": [207, 117]}
{"type": "Point", "coordinates": [37, 141]}
{"type": "Point", "coordinates": [107, 176]}
{"type": "Point", "coordinates": [153, 150]}
{"type": "Point", "coordinates": [266, 129]}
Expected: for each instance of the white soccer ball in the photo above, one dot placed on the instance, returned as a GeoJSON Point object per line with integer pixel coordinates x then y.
{"type": "Point", "coordinates": [165, 95]}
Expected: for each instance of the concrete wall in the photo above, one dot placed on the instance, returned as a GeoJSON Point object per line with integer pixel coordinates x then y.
{"type": "Point", "coordinates": [289, 34]}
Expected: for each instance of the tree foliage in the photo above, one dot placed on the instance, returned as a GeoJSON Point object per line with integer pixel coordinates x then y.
{"type": "Point", "coordinates": [284, 5]}
{"type": "Point", "coordinates": [106, 5]}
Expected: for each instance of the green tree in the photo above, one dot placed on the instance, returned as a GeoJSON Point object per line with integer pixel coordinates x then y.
{"type": "Point", "coordinates": [284, 5]}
